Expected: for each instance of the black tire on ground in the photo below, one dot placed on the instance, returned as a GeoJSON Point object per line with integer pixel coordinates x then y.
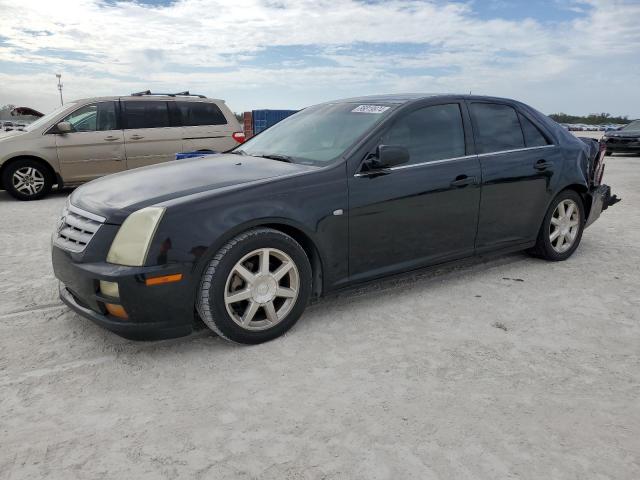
{"type": "Point", "coordinates": [608, 153]}
{"type": "Point", "coordinates": [210, 301]}
{"type": "Point", "coordinates": [544, 248]}
{"type": "Point", "coordinates": [27, 179]}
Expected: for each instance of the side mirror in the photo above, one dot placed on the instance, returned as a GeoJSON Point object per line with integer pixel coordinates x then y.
{"type": "Point", "coordinates": [64, 127]}
{"type": "Point", "coordinates": [390, 156]}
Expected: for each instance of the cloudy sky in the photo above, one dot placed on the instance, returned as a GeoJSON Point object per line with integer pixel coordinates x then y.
{"type": "Point", "coordinates": [576, 56]}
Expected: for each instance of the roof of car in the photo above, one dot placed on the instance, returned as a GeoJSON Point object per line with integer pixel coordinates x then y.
{"type": "Point", "coordinates": [400, 98]}
{"type": "Point", "coordinates": [148, 97]}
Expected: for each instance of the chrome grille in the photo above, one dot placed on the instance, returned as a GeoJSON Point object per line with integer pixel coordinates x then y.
{"type": "Point", "coordinates": [76, 229]}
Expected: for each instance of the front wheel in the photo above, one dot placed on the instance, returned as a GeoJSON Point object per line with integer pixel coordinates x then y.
{"type": "Point", "coordinates": [256, 287]}
{"type": "Point", "coordinates": [27, 180]}
{"type": "Point", "coordinates": [562, 227]}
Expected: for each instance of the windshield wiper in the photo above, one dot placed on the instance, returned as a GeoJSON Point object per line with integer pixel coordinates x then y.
{"type": "Point", "coordinates": [277, 156]}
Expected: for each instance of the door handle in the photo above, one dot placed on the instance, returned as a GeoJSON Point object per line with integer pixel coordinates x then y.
{"type": "Point", "coordinates": [136, 137]}
{"type": "Point", "coordinates": [463, 181]}
{"type": "Point", "coordinates": [542, 165]}
{"type": "Point", "coordinates": [110, 138]}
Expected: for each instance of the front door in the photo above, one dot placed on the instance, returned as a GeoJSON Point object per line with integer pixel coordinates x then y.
{"type": "Point", "coordinates": [94, 147]}
{"type": "Point", "coordinates": [518, 164]}
{"type": "Point", "coordinates": [418, 213]}
{"type": "Point", "coordinates": [150, 135]}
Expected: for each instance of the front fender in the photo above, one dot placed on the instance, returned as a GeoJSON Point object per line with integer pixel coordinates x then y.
{"type": "Point", "coordinates": [192, 232]}
{"type": "Point", "coordinates": [38, 146]}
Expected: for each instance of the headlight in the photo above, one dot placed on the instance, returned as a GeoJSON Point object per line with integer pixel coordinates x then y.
{"type": "Point", "coordinates": [131, 245]}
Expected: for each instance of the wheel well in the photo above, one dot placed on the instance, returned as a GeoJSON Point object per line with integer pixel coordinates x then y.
{"type": "Point", "coordinates": [310, 249]}
{"type": "Point", "coordinates": [50, 171]}
{"type": "Point", "coordinates": [584, 194]}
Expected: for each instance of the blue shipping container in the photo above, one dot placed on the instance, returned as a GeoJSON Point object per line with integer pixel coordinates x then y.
{"type": "Point", "coordinates": [263, 119]}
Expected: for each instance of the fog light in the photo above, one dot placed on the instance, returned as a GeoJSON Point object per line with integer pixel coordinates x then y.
{"type": "Point", "coordinates": [110, 289]}
{"type": "Point", "coordinates": [117, 310]}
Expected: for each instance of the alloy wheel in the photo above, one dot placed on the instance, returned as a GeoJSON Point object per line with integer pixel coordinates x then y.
{"type": "Point", "coordinates": [28, 180]}
{"type": "Point", "coordinates": [564, 225]}
{"type": "Point", "coordinates": [262, 289]}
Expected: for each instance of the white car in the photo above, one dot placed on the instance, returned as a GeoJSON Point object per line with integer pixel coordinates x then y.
{"type": "Point", "coordinates": [89, 138]}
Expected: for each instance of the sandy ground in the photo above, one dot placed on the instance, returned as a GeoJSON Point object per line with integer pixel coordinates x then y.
{"type": "Point", "coordinates": [503, 368]}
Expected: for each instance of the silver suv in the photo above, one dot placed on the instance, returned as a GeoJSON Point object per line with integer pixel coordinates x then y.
{"type": "Point", "coordinates": [89, 138]}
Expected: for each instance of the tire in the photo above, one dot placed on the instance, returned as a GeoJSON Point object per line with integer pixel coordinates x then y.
{"type": "Point", "coordinates": [237, 297]}
{"type": "Point", "coordinates": [608, 153]}
{"type": "Point", "coordinates": [27, 179]}
{"type": "Point", "coordinates": [554, 226]}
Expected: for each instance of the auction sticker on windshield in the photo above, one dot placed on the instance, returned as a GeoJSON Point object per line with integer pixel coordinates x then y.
{"type": "Point", "coordinates": [370, 109]}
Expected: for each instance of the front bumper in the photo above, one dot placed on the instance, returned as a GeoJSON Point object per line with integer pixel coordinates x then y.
{"type": "Point", "coordinates": [622, 145]}
{"type": "Point", "coordinates": [155, 312]}
{"type": "Point", "coordinates": [601, 199]}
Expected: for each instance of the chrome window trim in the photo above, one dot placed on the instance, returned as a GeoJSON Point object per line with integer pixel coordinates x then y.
{"type": "Point", "coordinates": [433, 162]}
{"type": "Point", "coordinates": [455, 159]}
{"type": "Point", "coordinates": [499, 152]}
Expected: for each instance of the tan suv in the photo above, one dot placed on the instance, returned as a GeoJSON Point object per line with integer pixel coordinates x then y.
{"type": "Point", "coordinates": [89, 138]}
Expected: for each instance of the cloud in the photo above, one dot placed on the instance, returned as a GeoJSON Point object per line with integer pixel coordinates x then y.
{"type": "Point", "coordinates": [291, 53]}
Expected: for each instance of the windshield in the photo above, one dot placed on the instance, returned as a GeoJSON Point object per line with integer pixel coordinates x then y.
{"type": "Point", "coordinates": [49, 116]}
{"type": "Point", "coordinates": [316, 135]}
{"type": "Point", "coordinates": [635, 125]}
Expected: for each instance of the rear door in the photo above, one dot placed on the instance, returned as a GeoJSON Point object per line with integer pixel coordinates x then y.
{"type": "Point", "coordinates": [518, 165]}
{"type": "Point", "coordinates": [422, 212]}
{"type": "Point", "coordinates": [205, 126]}
{"type": "Point", "coordinates": [95, 146]}
{"type": "Point", "coordinates": [149, 134]}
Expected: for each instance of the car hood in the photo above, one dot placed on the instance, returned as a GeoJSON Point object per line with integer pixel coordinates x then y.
{"type": "Point", "coordinates": [6, 135]}
{"type": "Point", "coordinates": [624, 134]}
{"type": "Point", "coordinates": [115, 196]}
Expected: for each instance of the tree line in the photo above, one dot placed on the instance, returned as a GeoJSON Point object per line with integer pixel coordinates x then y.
{"type": "Point", "coordinates": [591, 119]}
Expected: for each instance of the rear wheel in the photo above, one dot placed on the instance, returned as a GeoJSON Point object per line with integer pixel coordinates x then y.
{"type": "Point", "coordinates": [562, 227]}
{"type": "Point", "coordinates": [256, 287]}
{"type": "Point", "coordinates": [27, 180]}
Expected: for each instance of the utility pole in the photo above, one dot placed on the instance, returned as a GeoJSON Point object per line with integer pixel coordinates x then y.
{"type": "Point", "coordinates": [60, 87]}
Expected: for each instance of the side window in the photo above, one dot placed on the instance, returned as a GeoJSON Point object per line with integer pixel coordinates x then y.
{"type": "Point", "coordinates": [146, 114]}
{"type": "Point", "coordinates": [84, 118]}
{"type": "Point", "coordinates": [430, 133]}
{"type": "Point", "coordinates": [94, 117]}
{"type": "Point", "coordinates": [497, 127]}
{"type": "Point", "coordinates": [200, 113]}
{"type": "Point", "coordinates": [533, 137]}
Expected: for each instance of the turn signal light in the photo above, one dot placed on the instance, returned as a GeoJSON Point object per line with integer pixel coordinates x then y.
{"type": "Point", "coordinates": [116, 310]}
{"type": "Point", "coordinates": [176, 277]}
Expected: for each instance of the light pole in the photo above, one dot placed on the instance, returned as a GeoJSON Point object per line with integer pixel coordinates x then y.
{"type": "Point", "coordinates": [59, 75]}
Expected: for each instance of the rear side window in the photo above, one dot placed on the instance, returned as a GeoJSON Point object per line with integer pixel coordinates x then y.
{"type": "Point", "coordinates": [194, 114]}
{"type": "Point", "coordinates": [533, 137]}
{"type": "Point", "coordinates": [94, 117]}
{"type": "Point", "coordinates": [430, 133]}
{"type": "Point", "coordinates": [149, 114]}
{"type": "Point", "coordinates": [497, 127]}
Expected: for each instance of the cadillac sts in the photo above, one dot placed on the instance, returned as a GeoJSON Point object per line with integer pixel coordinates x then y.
{"type": "Point", "coordinates": [339, 193]}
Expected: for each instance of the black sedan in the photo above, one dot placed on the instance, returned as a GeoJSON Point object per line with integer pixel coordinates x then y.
{"type": "Point", "coordinates": [625, 140]}
{"type": "Point", "coordinates": [339, 193]}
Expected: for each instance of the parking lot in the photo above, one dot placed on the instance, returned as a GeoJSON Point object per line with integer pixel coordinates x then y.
{"type": "Point", "coordinates": [505, 367]}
